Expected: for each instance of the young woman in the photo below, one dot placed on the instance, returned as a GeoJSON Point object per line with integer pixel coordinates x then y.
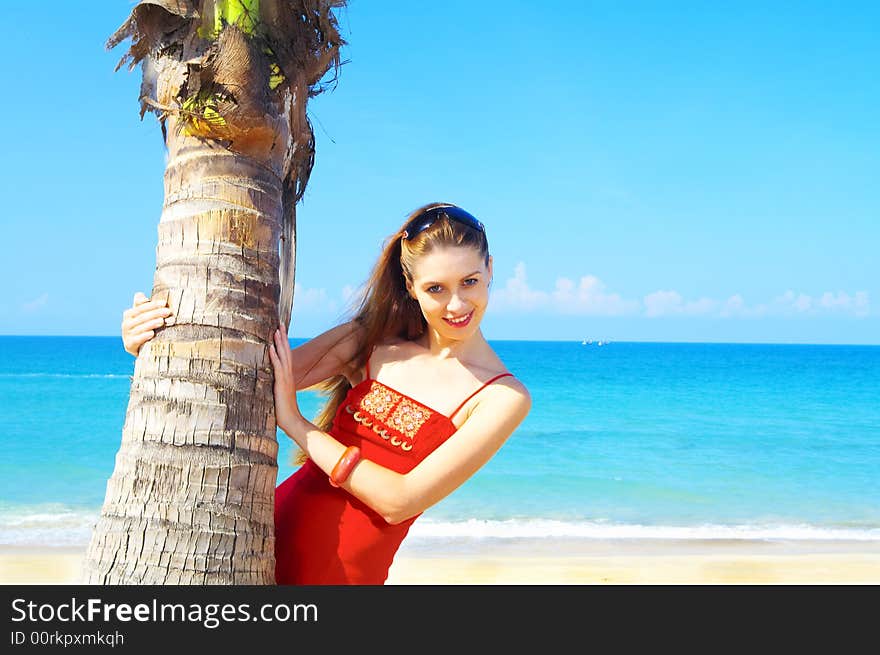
{"type": "Point", "coordinates": [418, 402]}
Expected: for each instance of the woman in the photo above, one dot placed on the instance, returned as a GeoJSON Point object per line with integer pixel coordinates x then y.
{"type": "Point", "coordinates": [418, 402]}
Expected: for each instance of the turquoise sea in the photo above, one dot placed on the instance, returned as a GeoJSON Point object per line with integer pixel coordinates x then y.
{"type": "Point", "coordinates": [624, 440]}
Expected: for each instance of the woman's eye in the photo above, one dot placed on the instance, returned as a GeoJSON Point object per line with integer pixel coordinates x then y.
{"type": "Point", "coordinates": [437, 288]}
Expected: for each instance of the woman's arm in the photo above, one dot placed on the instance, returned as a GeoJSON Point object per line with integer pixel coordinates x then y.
{"type": "Point", "coordinates": [326, 355]}
{"type": "Point", "coordinates": [398, 497]}
{"type": "Point", "coordinates": [395, 496]}
{"type": "Point", "coordinates": [316, 360]}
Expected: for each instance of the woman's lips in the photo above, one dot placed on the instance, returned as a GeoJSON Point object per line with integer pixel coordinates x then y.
{"type": "Point", "coordinates": [462, 323]}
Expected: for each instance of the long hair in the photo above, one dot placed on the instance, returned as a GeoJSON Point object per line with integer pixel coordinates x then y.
{"type": "Point", "coordinates": [384, 309]}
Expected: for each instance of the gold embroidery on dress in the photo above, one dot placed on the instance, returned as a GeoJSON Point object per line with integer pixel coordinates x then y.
{"type": "Point", "coordinates": [394, 411]}
{"type": "Point", "coordinates": [379, 401]}
{"type": "Point", "coordinates": [407, 418]}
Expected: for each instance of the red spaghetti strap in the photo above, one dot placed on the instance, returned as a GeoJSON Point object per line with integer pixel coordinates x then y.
{"type": "Point", "coordinates": [478, 391]}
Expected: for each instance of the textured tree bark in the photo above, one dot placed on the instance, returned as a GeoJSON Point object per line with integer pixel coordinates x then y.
{"type": "Point", "coordinates": [191, 497]}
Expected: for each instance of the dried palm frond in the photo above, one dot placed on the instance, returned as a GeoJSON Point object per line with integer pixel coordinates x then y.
{"type": "Point", "coordinates": [229, 69]}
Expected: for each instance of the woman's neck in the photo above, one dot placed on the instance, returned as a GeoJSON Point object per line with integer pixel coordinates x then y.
{"type": "Point", "coordinates": [444, 348]}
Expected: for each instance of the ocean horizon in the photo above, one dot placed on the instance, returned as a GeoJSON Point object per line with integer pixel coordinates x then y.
{"type": "Point", "coordinates": [625, 440]}
{"type": "Point", "coordinates": [594, 340]}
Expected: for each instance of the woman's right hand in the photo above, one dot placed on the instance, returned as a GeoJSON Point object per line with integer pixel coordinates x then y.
{"type": "Point", "coordinates": [139, 324]}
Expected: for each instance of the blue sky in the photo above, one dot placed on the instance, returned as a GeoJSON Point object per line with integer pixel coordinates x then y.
{"type": "Point", "coordinates": [647, 171]}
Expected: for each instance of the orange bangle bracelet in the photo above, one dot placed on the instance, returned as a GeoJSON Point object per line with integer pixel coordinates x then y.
{"type": "Point", "coordinates": [345, 465]}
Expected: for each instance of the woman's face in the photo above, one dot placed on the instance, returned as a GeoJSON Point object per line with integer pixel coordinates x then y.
{"type": "Point", "coordinates": [451, 286]}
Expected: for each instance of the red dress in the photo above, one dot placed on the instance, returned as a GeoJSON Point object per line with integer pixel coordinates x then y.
{"type": "Point", "coordinates": [323, 534]}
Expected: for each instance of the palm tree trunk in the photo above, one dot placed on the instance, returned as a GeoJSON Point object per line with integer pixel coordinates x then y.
{"type": "Point", "coordinates": [191, 497]}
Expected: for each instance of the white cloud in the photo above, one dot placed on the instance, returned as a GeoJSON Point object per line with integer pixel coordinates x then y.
{"type": "Point", "coordinates": [587, 297]}
{"type": "Point", "coordinates": [590, 296]}
{"type": "Point", "coordinates": [701, 306]}
{"type": "Point", "coordinates": [37, 303]}
{"type": "Point", "coordinates": [791, 303]}
{"type": "Point", "coordinates": [842, 302]}
{"type": "Point", "coordinates": [516, 293]}
{"type": "Point", "coordinates": [735, 307]}
{"type": "Point", "coordinates": [312, 301]}
{"type": "Point", "coordinates": [348, 291]}
{"type": "Point", "coordinates": [671, 303]}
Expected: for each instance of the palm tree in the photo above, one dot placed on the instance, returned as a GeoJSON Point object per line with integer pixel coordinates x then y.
{"type": "Point", "coordinates": [191, 497]}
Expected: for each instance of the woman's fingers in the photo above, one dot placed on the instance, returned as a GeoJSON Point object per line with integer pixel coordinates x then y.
{"type": "Point", "coordinates": [142, 324]}
{"type": "Point", "coordinates": [141, 320]}
{"type": "Point", "coordinates": [152, 305]}
{"type": "Point", "coordinates": [283, 347]}
{"type": "Point", "coordinates": [162, 313]}
{"type": "Point", "coordinates": [279, 351]}
{"type": "Point", "coordinates": [277, 361]}
{"type": "Point", "coordinates": [159, 314]}
{"type": "Point", "coordinates": [134, 342]}
{"type": "Point", "coordinates": [276, 346]}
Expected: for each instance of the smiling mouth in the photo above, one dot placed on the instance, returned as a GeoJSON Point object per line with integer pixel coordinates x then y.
{"type": "Point", "coordinates": [460, 322]}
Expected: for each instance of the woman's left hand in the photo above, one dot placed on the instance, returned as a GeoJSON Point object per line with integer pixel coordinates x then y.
{"type": "Point", "coordinates": [286, 408]}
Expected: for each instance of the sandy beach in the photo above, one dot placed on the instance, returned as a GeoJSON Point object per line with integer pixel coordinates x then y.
{"type": "Point", "coordinates": [593, 562]}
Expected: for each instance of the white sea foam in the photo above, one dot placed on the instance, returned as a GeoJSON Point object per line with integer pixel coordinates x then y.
{"type": "Point", "coordinates": [56, 526]}
{"type": "Point", "coordinates": [543, 528]}
{"type": "Point", "coordinates": [46, 526]}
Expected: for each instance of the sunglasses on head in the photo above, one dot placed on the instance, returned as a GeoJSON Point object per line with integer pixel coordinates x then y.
{"type": "Point", "coordinates": [430, 216]}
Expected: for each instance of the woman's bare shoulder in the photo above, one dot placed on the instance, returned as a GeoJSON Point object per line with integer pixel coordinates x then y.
{"type": "Point", "coordinates": [492, 365]}
{"type": "Point", "coordinates": [507, 397]}
{"type": "Point", "coordinates": [393, 349]}
{"type": "Point", "coordinates": [511, 383]}
{"type": "Point", "coordinates": [388, 351]}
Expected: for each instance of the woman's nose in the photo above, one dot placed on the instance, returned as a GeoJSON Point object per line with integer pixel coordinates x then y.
{"type": "Point", "coordinates": [455, 304]}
